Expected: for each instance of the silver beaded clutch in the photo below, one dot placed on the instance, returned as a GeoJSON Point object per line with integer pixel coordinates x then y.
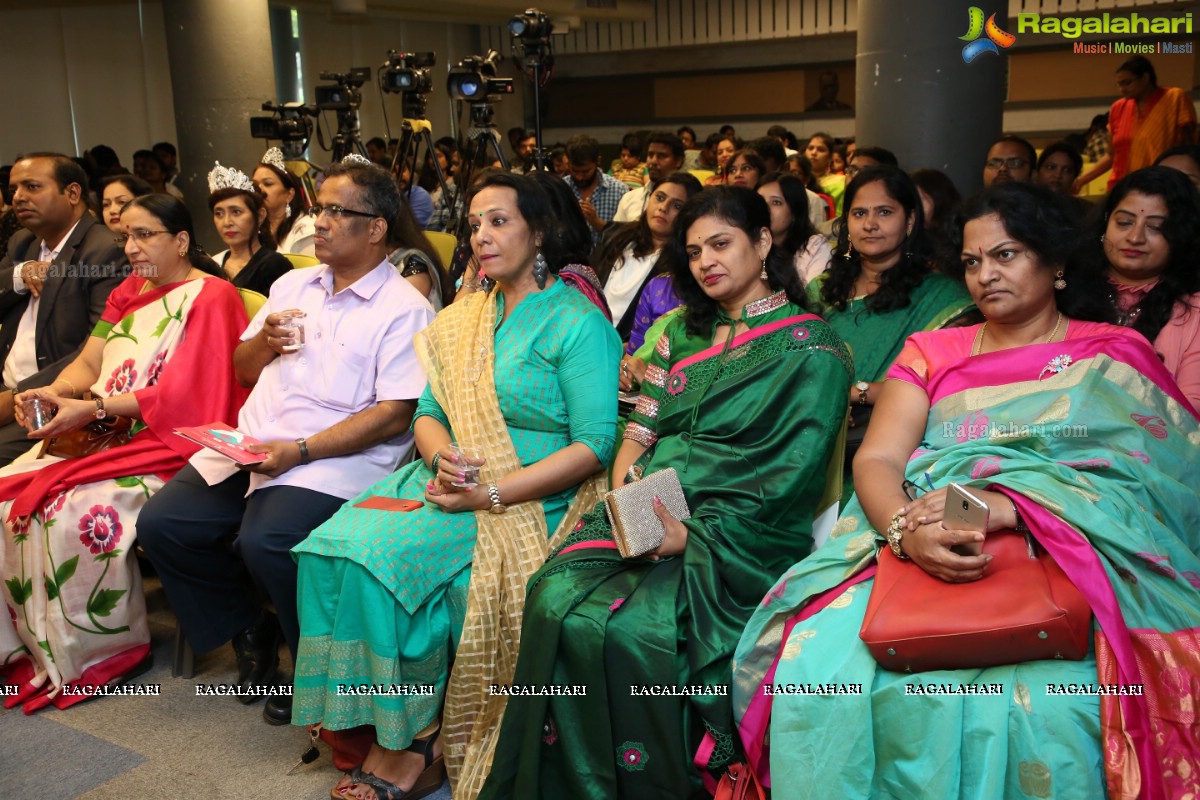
{"type": "Point", "coordinates": [636, 528]}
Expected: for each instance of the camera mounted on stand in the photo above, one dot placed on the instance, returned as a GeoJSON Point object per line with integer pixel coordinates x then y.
{"type": "Point", "coordinates": [531, 47]}
{"type": "Point", "coordinates": [344, 98]}
{"type": "Point", "coordinates": [290, 125]}
{"type": "Point", "coordinates": [408, 74]}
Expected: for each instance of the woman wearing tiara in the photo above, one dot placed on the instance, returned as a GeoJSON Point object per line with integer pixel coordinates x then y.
{"type": "Point", "coordinates": [251, 261]}
{"type": "Point", "coordinates": [283, 196]}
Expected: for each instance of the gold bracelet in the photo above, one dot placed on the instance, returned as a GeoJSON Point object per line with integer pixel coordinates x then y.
{"type": "Point", "coordinates": [68, 383]}
{"type": "Point", "coordinates": [895, 535]}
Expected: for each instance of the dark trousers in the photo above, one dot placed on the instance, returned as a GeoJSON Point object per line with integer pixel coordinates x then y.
{"type": "Point", "coordinates": [187, 529]}
{"type": "Point", "coordinates": [14, 441]}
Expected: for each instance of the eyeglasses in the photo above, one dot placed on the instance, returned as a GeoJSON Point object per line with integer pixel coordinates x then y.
{"type": "Point", "coordinates": [913, 490]}
{"type": "Point", "coordinates": [1011, 163]}
{"type": "Point", "coordinates": [141, 236]}
{"type": "Point", "coordinates": [337, 212]}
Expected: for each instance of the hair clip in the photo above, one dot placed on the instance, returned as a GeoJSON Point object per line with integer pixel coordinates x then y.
{"type": "Point", "coordinates": [228, 178]}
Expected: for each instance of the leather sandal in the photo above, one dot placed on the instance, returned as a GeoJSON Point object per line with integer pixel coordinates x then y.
{"type": "Point", "coordinates": [428, 782]}
{"type": "Point", "coordinates": [347, 782]}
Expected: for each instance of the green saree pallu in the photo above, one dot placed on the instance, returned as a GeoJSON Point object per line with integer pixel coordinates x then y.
{"type": "Point", "coordinates": [624, 671]}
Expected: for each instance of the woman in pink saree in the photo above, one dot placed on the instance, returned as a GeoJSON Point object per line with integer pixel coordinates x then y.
{"type": "Point", "coordinates": [1072, 428]}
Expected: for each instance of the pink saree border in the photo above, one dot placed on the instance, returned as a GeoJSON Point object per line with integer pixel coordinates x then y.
{"type": "Point", "coordinates": [741, 339]}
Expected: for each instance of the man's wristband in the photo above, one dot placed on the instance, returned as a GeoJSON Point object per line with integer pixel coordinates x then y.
{"type": "Point", "coordinates": [304, 457]}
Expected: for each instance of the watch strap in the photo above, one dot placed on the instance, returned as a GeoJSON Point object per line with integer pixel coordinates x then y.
{"type": "Point", "coordinates": [304, 456]}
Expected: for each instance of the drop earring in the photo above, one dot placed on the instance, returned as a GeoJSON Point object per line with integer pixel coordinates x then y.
{"type": "Point", "coordinates": [1059, 282]}
{"type": "Point", "coordinates": [762, 276]}
{"type": "Point", "coordinates": [540, 269]}
{"type": "Point", "coordinates": [849, 250]}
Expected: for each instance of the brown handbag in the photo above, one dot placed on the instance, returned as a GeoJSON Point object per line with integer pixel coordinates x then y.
{"type": "Point", "coordinates": [95, 437]}
{"type": "Point", "coordinates": [1024, 608]}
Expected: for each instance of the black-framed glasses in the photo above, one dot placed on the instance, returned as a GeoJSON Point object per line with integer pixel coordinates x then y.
{"type": "Point", "coordinates": [140, 236]}
{"type": "Point", "coordinates": [1012, 163]}
{"type": "Point", "coordinates": [914, 490]}
{"type": "Point", "coordinates": [337, 212]}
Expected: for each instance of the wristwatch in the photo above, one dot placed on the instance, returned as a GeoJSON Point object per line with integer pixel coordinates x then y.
{"type": "Point", "coordinates": [895, 536]}
{"type": "Point", "coordinates": [494, 495]}
{"type": "Point", "coordinates": [100, 413]}
{"type": "Point", "coordinates": [863, 387]}
{"type": "Point", "coordinates": [303, 444]}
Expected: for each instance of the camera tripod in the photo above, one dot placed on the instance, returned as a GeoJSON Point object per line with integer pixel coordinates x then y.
{"type": "Point", "coordinates": [347, 140]}
{"type": "Point", "coordinates": [415, 133]}
{"type": "Point", "coordinates": [480, 135]}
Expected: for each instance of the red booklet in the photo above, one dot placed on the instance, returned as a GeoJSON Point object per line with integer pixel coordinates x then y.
{"type": "Point", "coordinates": [225, 440]}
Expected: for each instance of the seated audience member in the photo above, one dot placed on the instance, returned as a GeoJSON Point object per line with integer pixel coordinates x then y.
{"type": "Point", "coordinates": [773, 156]}
{"type": "Point", "coordinates": [598, 194]}
{"type": "Point", "coordinates": [820, 205]}
{"type": "Point", "coordinates": [626, 256]}
{"type": "Point", "coordinates": [786, 139]}
{"type": "Point", "coordinates": [377, 152]}
{"type": "Point", "coordinates": [791, 227]}
{"type": "Point", "coordinates": [238, 214]}
{"type": "Point", "coordinates": [1117, 510]}
{"type": "Point", "coordinates": [442, 196]}
{"type": "Point", "coordinates": [664, 155]}
{"type": "Point", "coordinates": [1146, 266]}
{"type": "Point", "coordinates": [864, 157]}
{"type": "Point", "coordinates": [159, 358]}
{"type": "Point", "coordinates": [559, 164]}
{"type": "Point", "coordinates": [418, 260]}
{"type": "Point", "coordinates": [1010, 158]}
{"type": "Point", "coordinates": [169, 157]}
{"type": "Point", "coordinates": [707, 154]}
{"type": "Point", "coordinates": [820, 157]}
{"type": "Point", "coordinates": [629, 168]}
{"type": "Point", "coordinates": [1185, 159]}
{"type": "Point", "coordinates": [725, 149]}
{"type": "Point", "coordinates": [939, 202]}
{"type": "Point", "coordinates": [150, 168]}
{"type": "Point", "coordinates": [438, 579]}
{"type": "Point", "coordinates": [691, 148]}
{"type": "Point", "coordinates": [49, 303]}
{"type": "Point", "coordinates": [839, 159]}
{"type": "Point", "coordinates": [751, 438]}
{"type": "Point", "coordinates": [1058, 166]}
{"type": "Point", "coordinates": [1147, 120]}
{"type": "Point", "coordinates": [115, 193]}
{"type": "Point", "coordinates": [880, 288]}
{"type": "Point", "coordinates": [332, 409]}
{"type": "Point", "coordinates": [524, 151]}
{"type": "Point", "coordinates": [419, 201]}
{"type": "Point", "coordinates": [283, 196]}
{"type": "Point", "coordinates": [574, 242]}
{"type": "Point", "coordinates": [8, 215]}
{"type": "Point", "coordinates": [746, 168]}
{"type": "Point", "coordinates": [106, 162]}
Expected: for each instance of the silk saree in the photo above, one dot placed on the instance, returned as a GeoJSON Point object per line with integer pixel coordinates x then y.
{"type": "Point", "coordinates": [1095, 445]}
{"type": "Point", "coordinates": [751, 429]}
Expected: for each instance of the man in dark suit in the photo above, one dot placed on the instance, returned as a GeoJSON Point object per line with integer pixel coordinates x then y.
{"type": "Point", "coordinates": [54, 282]}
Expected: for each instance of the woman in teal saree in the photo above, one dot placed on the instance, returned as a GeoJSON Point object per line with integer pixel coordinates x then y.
{"type": "Point", "coordinates": [744, 397]}
{"type": "Point", "coordinates": [1073, 428]}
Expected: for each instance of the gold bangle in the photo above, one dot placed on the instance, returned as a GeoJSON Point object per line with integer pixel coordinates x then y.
{"type": "Point", "coordinates": [70, 385]}
{"type": "Point", "coordinates": [895, 536]}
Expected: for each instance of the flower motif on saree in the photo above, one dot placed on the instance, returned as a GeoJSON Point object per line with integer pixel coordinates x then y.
{"type": "Point", "coordinates": [1159, 564]}
{"type": "Point", "coordinates": [632, 756]}
{"type": "Point", "coordinates": [1192, 578]}
{"type": "Point", "coordinates": [549, 732]}
{"type": "Point", "coordinates": [1056, 365]}
{"type": "Point", "coordinates": [620, 601]}
{"type": "Point", "coordinates": [676, 383]}
{"type": "Point", "coordinates": [154, 371]}
{"type": "Point", "coordinates": [1155, 426]}
{"type": "Point", "coordinates": [1140, 456]}
{"type": "Point", "coordinates": [122, 378]}
{"type": "Point", "coordinates": [986, 467]}
{"type": "Point", "coordinates": [800, 333]}
{"type": "Point", "coordinates": [20, 529]}
{"type": "Point", "coordinates": [101, 529]}
{"type": "Point", "coordinates": [1035, 778]}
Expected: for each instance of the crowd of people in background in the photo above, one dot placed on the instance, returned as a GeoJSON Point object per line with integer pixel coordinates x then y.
{"type": "Point", "coordinates": [811, 339]}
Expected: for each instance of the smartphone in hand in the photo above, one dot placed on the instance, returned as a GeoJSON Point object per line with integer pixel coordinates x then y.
{"type": "Point", "coordinates": [965, 512]}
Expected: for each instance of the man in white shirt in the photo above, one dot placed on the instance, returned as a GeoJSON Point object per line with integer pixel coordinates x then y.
{"type": "Point", "coordinates": [54, 282]}
{"type": "Point", "coordinates": [334, 418]}
{"type": "Point", "coordinates": [664, 155]}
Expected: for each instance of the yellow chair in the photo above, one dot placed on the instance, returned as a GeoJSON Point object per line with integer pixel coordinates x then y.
{"type": "Point", "coordinates": [701, 174]}
{"type": "Point", "coordinates": [252, 300]}
{"type": "Point", "coordinates": [445, 244]}
{"type": "Point", "coordinates": [300, 261]}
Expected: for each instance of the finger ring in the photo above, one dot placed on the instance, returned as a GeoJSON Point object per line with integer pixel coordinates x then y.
{"type": "Point", "coordinates": [625, 369]}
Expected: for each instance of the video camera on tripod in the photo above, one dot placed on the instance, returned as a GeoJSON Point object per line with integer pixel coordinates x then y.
{"type": "Point", "coordinates": [473, 80]}
{"type": "Point", "coordinates": [345, 95]}
{"type": "Point", "coordinates": [408, 74]}
{"type": "Point", "coordinates": [290, 124]}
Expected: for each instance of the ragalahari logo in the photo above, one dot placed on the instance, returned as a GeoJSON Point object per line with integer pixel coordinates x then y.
{"type": "Point", "coordinates": [996, 37]}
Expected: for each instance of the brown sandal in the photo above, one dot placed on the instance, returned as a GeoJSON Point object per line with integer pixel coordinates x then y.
{"type": "Point", "coordinates": [428, 782]}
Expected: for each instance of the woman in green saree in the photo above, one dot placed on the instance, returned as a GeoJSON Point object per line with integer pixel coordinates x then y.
{"type": "Point", "coordinates": [744, 398]}
{"type": "Point", "coordinates": [880, 288]}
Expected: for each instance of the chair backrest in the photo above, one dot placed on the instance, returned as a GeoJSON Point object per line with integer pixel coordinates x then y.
{"type": "Point", "coordinates": [299, 261]}
{"type": "Point", "coordinates": [445, 244]}
{"type": "Point", "coordinates": [252, 300]}
{"type": "Point", "coordinates": [702, 174]}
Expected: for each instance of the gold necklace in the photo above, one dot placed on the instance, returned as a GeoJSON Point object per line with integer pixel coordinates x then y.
{"type": "Point", "coordinates": [978, 344]}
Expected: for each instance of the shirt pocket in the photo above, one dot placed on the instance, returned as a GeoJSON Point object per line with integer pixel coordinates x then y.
{"type": "Point", "coordinates": [351, 384]}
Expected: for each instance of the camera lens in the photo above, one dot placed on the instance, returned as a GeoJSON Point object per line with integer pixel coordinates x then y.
{"type": "Point", "coordinates": [966, 505]}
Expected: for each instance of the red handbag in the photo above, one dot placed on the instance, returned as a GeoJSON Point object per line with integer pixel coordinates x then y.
{"type": "Point", "coordinates": [1024, 608]}
{"type": "Point", "coordinates": [739, 783]}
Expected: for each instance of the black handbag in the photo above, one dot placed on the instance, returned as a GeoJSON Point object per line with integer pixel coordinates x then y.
{"type": "Point", "coordinates": [856, 429]}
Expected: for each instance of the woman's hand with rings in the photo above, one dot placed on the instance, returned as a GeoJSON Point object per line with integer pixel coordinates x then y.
{"type": "Point", "coordinates": [929, 508]}
{"type": "Point", "coordinates": [929, 546]}
{"type": "Point", "coordinates": [633, 371]}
